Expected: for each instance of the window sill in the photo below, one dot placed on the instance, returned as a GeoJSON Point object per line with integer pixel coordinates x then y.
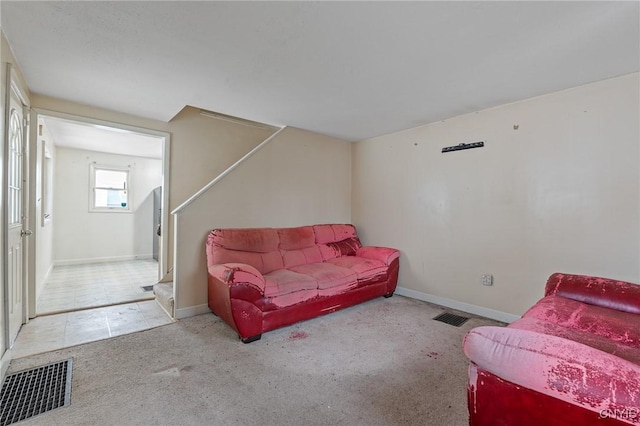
{"type": "Point", "coordinates": [110, 210]}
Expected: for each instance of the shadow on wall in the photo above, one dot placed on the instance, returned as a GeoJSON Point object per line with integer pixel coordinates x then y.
{"type": "Point", "coordinates": [144, 230]}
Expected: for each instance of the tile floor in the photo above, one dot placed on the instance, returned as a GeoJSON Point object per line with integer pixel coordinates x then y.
{"type": "Point", "coordinates": [57, 331]}
{"type": "Point", "coordinates": [75, 287]}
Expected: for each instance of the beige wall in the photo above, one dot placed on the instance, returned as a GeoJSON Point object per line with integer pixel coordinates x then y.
{"type": "Point", "coordinates": [201, 147]}
{"type": "Point", "coordinates": [560, 193]}
{"type": "Point", "coordinates": [299, 178]}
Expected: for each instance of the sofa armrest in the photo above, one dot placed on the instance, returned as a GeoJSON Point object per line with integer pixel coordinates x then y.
{"type": "Point", "coordinates": [604, 292]}
{"type": "Point", "coordinates": [238, 273]}
{"type": "Point", "coordinates": [561, 368]}
{"type": "Point", "coordinates": [384, 254]}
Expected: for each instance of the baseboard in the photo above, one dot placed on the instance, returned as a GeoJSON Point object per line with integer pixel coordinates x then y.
{"type": "Point", "coordinates": [455, 304]}
{"type": "Point", "coordinates": [192, 311]}
{"type": "Point", "coordinates": [66, 262]}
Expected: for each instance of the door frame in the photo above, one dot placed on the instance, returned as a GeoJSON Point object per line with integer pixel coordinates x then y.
{"type": "Point", "coordinates": [15, 85]}
{"type": "Point", "coordinates": [164, 219]}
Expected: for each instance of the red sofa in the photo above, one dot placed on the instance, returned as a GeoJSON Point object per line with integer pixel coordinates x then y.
{"type": "Point", "coordinates": [572, 359]}
{"type": "Point", "coordinates": [264, 278]}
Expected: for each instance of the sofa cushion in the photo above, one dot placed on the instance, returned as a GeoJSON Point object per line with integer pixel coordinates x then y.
{"type": "Point", "coordinates": [284, 281]}
{"type": "Point", "coordinates": [334, 291]}
{"type": "Point", "coordinates": [366, 270]}
{"type": "Point", "coordinates": [333, 233]}
{"type": "Point", "coordinates": [614, 325]}
{"type": "Point", "coordinates": [293, 298]}
{"type": "Point", "coordinates": [296, 238]}
{"type": "Point", "coordinates": [291, 258]}
{"type": "Point", "coordinates": [585, 337]}
{"type": "Point", "coordinates": [328, 275]}
{"type": "Point", "coordinates": [257, 240]}
{"type": "Point", "coordinates": [263, 262]}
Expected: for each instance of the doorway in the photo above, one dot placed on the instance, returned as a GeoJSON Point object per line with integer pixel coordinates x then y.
{"type": "Point", "coordinates": [100, 201]}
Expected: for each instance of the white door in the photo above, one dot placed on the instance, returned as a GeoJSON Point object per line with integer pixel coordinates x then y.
{"type": "Point", "coordinates": [15, 215]}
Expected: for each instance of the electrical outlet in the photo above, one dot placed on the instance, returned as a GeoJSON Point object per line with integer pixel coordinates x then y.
{"type": "Point", "coordinates": [487, 279]}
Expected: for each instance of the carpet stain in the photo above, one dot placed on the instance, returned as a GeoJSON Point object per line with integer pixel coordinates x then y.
{"type": "Point", "coordinates": [298, 335]}
{"type": "Point", "coordinates": [171, 372]}
{"type": "Point", "coordinates": [433, 354]}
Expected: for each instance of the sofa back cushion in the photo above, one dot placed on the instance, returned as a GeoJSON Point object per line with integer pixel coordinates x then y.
{"type": "Point", "coordinates": [257, 240]}
{"type": "Point", "coordinates": [298, 246]}
{"type": "Point", "coordinates": [292, 258]}
{"type": "Point", "coordinates": [257, 247]}
{"type": "Point", "coordinates": [269, 249]}
{"type": "Point", "coordinates": [336, 240]}
{"type": "Point", "coordinates": [296, 238]}
{"type": "Point", "coordinates": [333, 233]}
{"type": "Point", "coordinates": [263, 262]}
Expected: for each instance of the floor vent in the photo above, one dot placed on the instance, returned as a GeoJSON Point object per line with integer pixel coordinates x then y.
{"type": "Point", "coordinates": [147, 287]}
{"type": "Point", "coordinates": [452, 319]}
{"type": "Point", "coordinates": [31, 392]}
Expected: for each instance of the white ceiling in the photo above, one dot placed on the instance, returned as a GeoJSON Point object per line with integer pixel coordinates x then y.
{"type": "Point", "coordinates": [73, 134]}
{"type": "Point", "coordinates": [348, 69]}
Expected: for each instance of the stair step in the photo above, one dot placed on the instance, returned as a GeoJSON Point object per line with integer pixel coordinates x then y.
{"type": "Point", "coordinates": [164, 296]}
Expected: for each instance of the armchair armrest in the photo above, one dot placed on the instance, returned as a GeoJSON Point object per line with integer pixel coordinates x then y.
{"type": "Point", "coordinates": [603, 292]}
{"type": "Point", "coordinates": [384, 254]}
{"type": "Point", "coordinates": [561, 368]}
{"type": "Point", "coordinates": [238, 273]}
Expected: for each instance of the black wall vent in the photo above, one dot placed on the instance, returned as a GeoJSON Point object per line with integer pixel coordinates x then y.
{"type": "Point", "coordinates": [31, 392]}
{"type": "Point", "coordinates": [452, 319]}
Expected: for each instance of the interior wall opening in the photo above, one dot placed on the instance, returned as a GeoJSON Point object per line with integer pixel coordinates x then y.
{"type": "Point", "coordinates": [99, 208]}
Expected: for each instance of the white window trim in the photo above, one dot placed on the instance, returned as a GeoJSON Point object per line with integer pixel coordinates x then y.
{"type": "Point", "coordinates": [92, 194]}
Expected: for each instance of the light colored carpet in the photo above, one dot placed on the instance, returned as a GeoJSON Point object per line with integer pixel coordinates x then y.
{"type": "Point", "coordinates": [384, 362]}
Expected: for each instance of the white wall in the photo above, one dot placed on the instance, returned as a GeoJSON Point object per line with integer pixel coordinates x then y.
{"type": "Point", "coordinates": [560, 193]}
{"type": "Point", "coordinates": [83, 236]}
{"type": "Point", "coordinates": [43, 233]}
{"type": "Point", "coordinates": [299, 178]}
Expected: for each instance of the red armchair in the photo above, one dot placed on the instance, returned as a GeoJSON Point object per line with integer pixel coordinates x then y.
{"type": "Point", "coordinates": [572, 359]}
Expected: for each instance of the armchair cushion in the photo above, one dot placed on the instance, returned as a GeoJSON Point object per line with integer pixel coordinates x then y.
{"type": "Point", "coordinates": [614, 325]}
{"type": "Point", "coordinates": [604, 292]}
{"type": "Point", "coordinates": [549, 365]}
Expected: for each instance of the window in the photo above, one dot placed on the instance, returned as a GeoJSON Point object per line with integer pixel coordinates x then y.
{"type": "Point", "coordinates": [110, 189]}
